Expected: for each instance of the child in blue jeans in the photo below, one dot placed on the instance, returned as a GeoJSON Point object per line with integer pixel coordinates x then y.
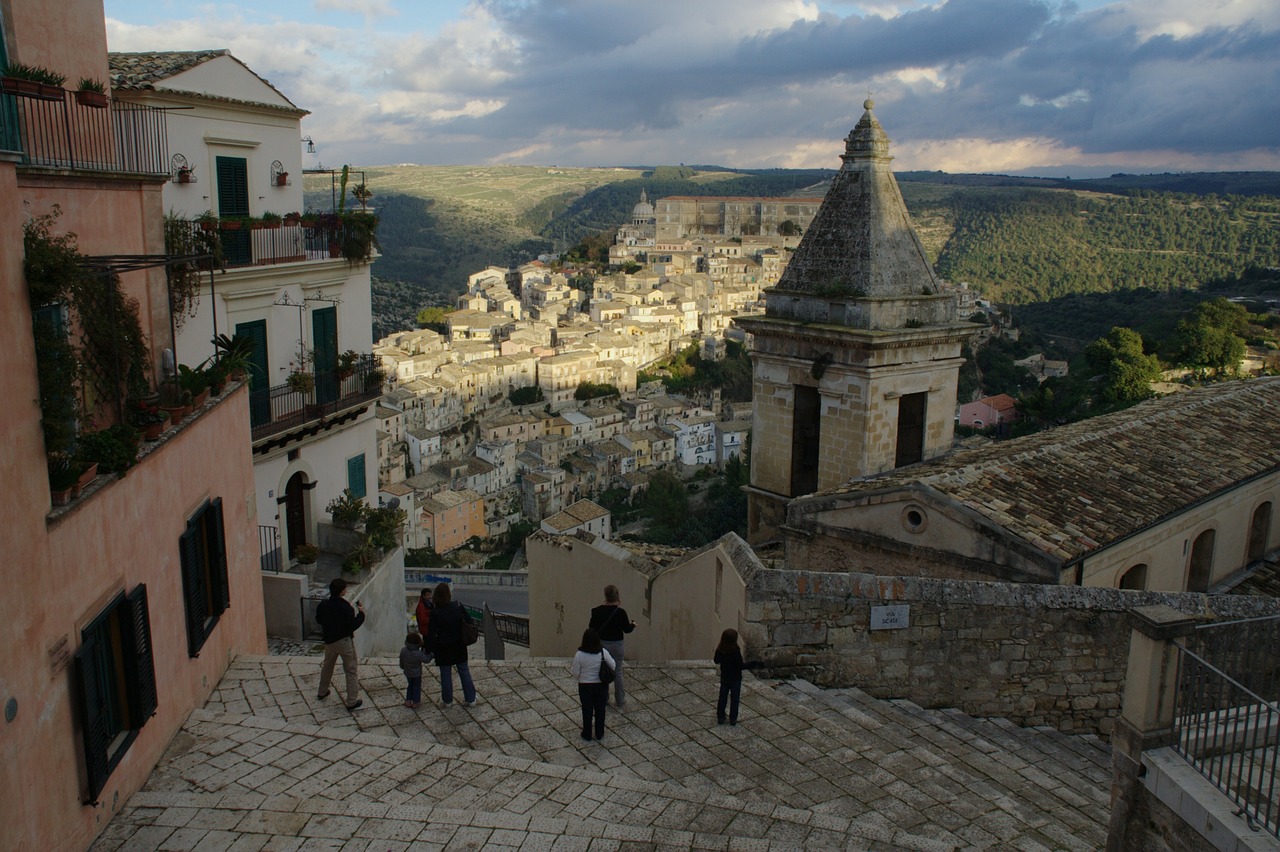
{"type": "Point", "coordinates": [412, 656]}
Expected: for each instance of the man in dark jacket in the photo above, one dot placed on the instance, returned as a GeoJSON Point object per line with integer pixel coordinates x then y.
{"type": "Point", "coordinates": [610, 620]}
{"type": "Point", "coordinates": [338, 625]}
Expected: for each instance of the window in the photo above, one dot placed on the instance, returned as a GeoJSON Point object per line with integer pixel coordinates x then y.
{"type": "Point", "coordinates": [355, 475]}
{"type": "Point", "coordinates": [1201, 568]}
{"type": "Point", "coordinates": [1135, 577]}
{"type": "Point", "coordinates": [117, 684]}
{"type": "Point", "coordinates": [205, 590]}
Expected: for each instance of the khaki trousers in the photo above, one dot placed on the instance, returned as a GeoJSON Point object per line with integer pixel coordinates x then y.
{"type": "Point", "coordinates": [345, 648]}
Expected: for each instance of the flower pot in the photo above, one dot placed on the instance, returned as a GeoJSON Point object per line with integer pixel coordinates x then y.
{"type": "Point", "coordinates": [32, 89]}
{"type": "Point", "coordinates": [94, 100]}
{"type": "Point", "coordinates": [62, 497]}
{"type": "Point", "coordinates": [335, 248]}
{"type": "Point", "coordinates": [90, 474]}
{"type": "Point", "coordinates": [151, 431]}
{"type": "Point", "coordinates": [208, 226]}
{"type": "Point", "coordinates": [176, 413]}
{"type": "Point", "coordinates": [201, 398]}
{"type": "Point", "coordinates": [185, 177]}
{"type": "Point", "coordinates": [282, 179]}
{"type": "Point", "coordinates": [233, 225]}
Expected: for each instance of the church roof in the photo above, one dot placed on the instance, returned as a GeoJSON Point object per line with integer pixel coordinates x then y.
{"type": "Point", "coordinates": [861, 242]}
{"type": "Point", "coordinates": [1076, 489]}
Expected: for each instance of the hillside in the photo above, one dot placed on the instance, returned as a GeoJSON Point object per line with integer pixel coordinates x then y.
{"type": "Point", "coordinates": [1020, 240]}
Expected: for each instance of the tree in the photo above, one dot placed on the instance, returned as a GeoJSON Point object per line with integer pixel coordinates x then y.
{"type": "Point", "coordinates": [434, 319]}
{"type": "Point", "coordinates": [526, 395]}
{"type": "Point", "coordinates": [1210, 338]}
{"type": "Point", "coordinates": [591, 390]}
{"type": "Point", "coordinates": [1122, 370]}
{"type": "Point", "coordinates": [666, 502]}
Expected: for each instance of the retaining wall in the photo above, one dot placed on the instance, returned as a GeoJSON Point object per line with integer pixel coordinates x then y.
{"type": "Point", "coordinates": [1034, 654]}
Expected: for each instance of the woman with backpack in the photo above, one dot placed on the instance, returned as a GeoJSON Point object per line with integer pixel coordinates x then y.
{"type": "Point", "coordinates": [593, 691]}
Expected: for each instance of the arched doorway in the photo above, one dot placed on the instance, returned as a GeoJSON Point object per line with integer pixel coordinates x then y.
{"type": "Point", "coordinates": [1259, 531]}
{"type": "Point", "coordinates": [295, 512]}
{"type": "Point", "coordinates": [1201, 569]}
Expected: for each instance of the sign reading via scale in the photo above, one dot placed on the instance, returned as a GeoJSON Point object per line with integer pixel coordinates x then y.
{"type": "Point", "coordinates": [890, 617]}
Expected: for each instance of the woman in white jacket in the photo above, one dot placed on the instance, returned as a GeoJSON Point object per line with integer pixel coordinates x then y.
{"type": "Point", "coordinates": [593, 694]}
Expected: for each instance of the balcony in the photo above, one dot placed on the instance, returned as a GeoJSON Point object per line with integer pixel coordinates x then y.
{"type": "Point", "coordinates": [276, 410]}
{"type": "Point", "coordinates": [63, 133]}
{"type": "Point", "coordinates": [239, 243]}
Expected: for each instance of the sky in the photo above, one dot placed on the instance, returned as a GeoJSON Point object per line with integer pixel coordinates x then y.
{"type": "Point", "coordinates": [1048, 87]}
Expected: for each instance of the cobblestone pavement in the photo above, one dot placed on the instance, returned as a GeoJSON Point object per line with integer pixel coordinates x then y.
{"type": "Point", "coordinates": [266, 766]}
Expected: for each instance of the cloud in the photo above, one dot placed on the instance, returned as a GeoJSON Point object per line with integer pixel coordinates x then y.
{"type": "Point", "coordinates": [769, 83]}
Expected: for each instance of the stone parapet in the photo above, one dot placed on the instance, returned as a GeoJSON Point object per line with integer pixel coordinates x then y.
{"type": "Point", "coordinates": [1035, 654]}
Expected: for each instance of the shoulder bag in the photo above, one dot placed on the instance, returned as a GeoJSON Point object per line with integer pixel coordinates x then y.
{"type": "Point", "coordinates": [606, 670]}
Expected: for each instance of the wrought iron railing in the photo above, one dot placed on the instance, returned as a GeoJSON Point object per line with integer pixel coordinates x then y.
{"type": "Point", "coordinates": [1226, 714]}
{"type": "Point", "coordinates": [64, 133]}
{"type": "Point", "coordinates": [270, 556]}
{"type": "Point", "coordinates": [512, 628]}
{"type": "Point", "coordinates": [284, 407]}
{"type": "Point", "coordinates": [236, 244]}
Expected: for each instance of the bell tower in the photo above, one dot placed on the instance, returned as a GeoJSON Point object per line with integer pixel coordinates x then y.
{"type": "Point", "coordinates": [857, 357]}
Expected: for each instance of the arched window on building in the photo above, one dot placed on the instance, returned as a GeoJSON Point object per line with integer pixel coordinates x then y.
{"type": "Point", "coordinates": [1135, 577]}
{"type": "Point", "coordinates": [1259, 531]}
{"type": "Point", "coordinates": [1201, 569]}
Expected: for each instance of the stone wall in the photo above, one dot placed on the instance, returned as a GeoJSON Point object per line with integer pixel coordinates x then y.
{"type": "Point", "coordinates": [1034, 654]}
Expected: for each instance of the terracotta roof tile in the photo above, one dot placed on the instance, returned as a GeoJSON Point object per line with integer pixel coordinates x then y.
{"type": "Point", "coordinates": [1074, 489]}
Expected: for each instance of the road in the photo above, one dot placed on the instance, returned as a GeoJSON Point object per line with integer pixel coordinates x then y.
{"type": "Point", "coordinates": [500, 598]}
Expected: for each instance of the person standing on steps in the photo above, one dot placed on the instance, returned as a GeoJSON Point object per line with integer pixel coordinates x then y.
{"type": "Point", "coordinates": [338, 625]}
{"type": "Point", "coordinates": [592, 692]}
{"type": "Point", "coordinates": [611, 622]}
{"type": "Point", "coordinates": [445, 641]}
{"type": "Point", "coordinates": [729, 658]}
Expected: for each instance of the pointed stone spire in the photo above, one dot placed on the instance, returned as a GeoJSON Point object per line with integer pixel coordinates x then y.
{"type": "Point", "coordinates": [861, 244]}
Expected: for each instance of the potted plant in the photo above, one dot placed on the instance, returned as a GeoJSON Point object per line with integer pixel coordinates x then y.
{"type": "Point", "coordinates": [151, 420]}
{"type": "Point", "coordinates": [234, 354]}
{"type": "Point", "coordinates": [232, 223]}
{"type": "Point", "coordinates": [358, 561]}
{"type": "Point", "coordinates": [347, 363]}
{"type": "Point", "coordinates": [207, 221]}
{"type": "Point", "coordinates": [358, 236]}
{"type": "Point", "coordinates": [293, 218]}
{"type": "Point", "coordinates": [282, 179]}
{"type": "Point", "coordinates": [32, 81]}
{"type": "Point", "coordinates": [306, 554]}
{"type": "Point", "coordinates": [302, 382]}
{"type": "Point", "coordinates": [373, 380]}
{"type": "Point", "coordinates": [91, 93]}
{"type": "Point", "coordinates": [268, 221]}
{"type": "Point", "coordinates": [115, 448]}
{"type": "Point", "coordinates": [62, 479]}
{"type": "Point", "coordinates": [362, 193]}
{"type": "Point", "coordinates": [186, 174]}
{"type": "Point", "coordinates": [347, 510]}
{"type": "Point", "coordinates": [194, 381]}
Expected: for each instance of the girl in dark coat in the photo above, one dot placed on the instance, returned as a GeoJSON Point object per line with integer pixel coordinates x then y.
{"type": "Point", "coordinates": [729, 659]}
{"type": "Point", "coordinates": [445, 641]}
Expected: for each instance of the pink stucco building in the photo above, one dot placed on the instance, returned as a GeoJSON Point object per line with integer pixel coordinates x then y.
{"type": "Point", "coordinates": [990, 411]}
{"type": "Point", "coordinates": [125, 606]}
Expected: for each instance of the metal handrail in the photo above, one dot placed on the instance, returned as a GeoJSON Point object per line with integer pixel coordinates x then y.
{"type": "Point", "coordinates": [1228, 733]}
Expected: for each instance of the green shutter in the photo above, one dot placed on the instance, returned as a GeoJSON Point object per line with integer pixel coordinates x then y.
{"type": "Point", "coordinates": [233, 200]}
{"type": "Point", "coordinates": [324, 343]}
{"type": "Point", "coordinates": [93, 711]}
{"type": "Point", "coordinates": [259, 383]}
{"type": "Point", "coordinates": [143, 701]}
{"type": "Point", "coordinates": [218, 552]}
{"type": "Point", "coordinates": [194, 594]}
{"type": "Point", "coordinates": [355, 475]}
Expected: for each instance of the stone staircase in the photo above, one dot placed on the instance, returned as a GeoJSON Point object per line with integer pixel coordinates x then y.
{"type": "Point", "coordinates": [267, 765]}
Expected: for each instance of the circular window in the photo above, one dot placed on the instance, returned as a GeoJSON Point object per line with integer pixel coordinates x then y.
{"type": "Point", "coordinates": [914, 519]}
